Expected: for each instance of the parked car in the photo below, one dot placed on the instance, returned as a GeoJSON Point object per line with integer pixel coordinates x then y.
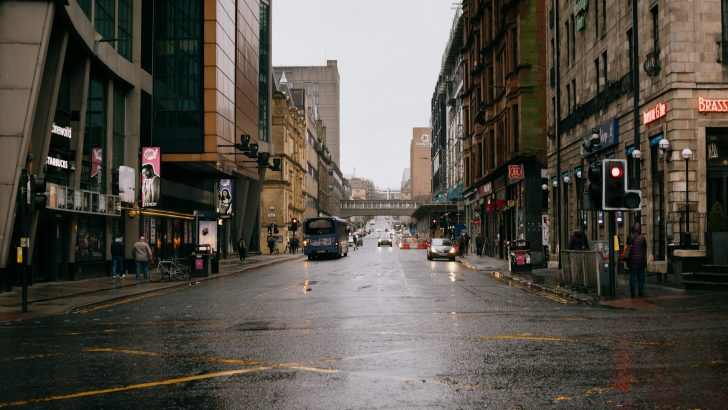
{"type": "Point", "coordinates": [384, 240]}
{"type": "Point", "coordinates": [441, 248]}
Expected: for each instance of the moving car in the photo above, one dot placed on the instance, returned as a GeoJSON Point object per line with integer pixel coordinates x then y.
{"type": "Point", "coordinates": [384, 240]}
{"type": "Point", "coordinates": [441, 248]}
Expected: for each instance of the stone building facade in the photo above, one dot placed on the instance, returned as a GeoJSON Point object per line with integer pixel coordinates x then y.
{"type": "Point", "coordinates": [283, 196]}
{"type": "Point", "coordinates": [680, 86]}
{"type": "Point", "coordinates": [504, 120]}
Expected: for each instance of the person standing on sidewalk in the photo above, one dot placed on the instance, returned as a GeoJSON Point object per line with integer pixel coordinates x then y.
{"type": "Point", "coordinates": [271, 244]}
{"type": "Point", "coordinates": [142, 256]}
{"type": "Point", "coordinates": [117, 258]}
{"type": "Point", "coordinates": [242, 249]}
{"type": "Point", "coordinates": [637, 262]}
{"type": "Point", "coordinates": [479, 241]}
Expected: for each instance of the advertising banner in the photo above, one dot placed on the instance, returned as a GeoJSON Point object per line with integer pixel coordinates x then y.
{"type": "Point", "coordinates": [150, 176]}
{"type": "Point", "coordinates": [127, 184]}
{"type": "Point", "coordinates": [97, 158]}
{"type": "Point", "coordinates": [207, 234]}
{"type": "Point", "coordinates": [225, 198]}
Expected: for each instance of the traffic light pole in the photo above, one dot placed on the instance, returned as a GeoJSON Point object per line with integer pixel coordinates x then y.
{"type": "Point", "coordinates": [24, 238]}
{"type": "Point", "coordinates": [612, 231]}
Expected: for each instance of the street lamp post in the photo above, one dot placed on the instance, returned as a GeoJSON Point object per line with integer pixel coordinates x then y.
{"type": "Point", "coordinates": [687, 153]}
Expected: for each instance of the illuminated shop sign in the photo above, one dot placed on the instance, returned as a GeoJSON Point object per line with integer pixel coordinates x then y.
{"type": "Point", "coordinates": [655, 113]}
{"type": "Point", "coordinates": [62, 131]}
{"type": "Point", "coordinates": [706, 105]}
{"type": "Point", "coordinates": [57, 162]}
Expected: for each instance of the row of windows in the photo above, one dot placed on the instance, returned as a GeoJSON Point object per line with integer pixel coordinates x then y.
{"type": "Point", "coordinates": [112, 19]}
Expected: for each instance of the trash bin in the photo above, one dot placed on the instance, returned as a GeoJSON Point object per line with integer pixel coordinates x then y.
{"type": "Point", "coordinates": [201, 261]}
{"type": "Point", "coordinates": [215, 262]}
{"type": "Point", "coordinates": [519, 257]}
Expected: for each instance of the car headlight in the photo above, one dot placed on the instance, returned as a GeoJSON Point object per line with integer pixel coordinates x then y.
{"type": "Point", "coordinates": [432, 249]}
{"type": "Point", "coordinates": [452, 250]}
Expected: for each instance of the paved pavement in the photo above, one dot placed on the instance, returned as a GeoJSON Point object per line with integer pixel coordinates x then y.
{"type": "Point", "coordinates": [547, 283]}
{"type": "Point", "coordinates": [54, 298]}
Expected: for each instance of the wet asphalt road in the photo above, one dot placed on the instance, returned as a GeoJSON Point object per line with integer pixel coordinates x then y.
{"type": "Point", "coordinates": [381, 328]}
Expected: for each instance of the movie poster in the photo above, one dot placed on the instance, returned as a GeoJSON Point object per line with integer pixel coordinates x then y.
{"type": "Point", "coordinates": [150, 176]}
{"type": "Point", "coordinates": [225, 198]}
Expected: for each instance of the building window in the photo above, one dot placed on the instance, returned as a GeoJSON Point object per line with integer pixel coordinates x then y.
{"type": "Point", "coordinates": [655, 29]}
{"type": "Point", "coordinates": [264, 75]}
{"type": "Point", "coordinates": [604, 69]}
{"type": "Point", "coordinates": [177, 96]}
{"type": "Point", "coordinates": [597, 74]}
{"type": "Point", "coordinates": [94, 139]}
{"type": "Point", "coordinates": [630, 48]}
{"type": "Point", "coordinates": [658, 201]}
{"type": "Point", "coordinates": [104, 18]}
{"type": "Point", "coordinates": [724, 26]}
{"type": "Point", "coordinates": [85, 6]}
{"type": "Point", "coordinates": [572, 33]}
{"type": "Point", "coordinates": [125, 29]}
{"type": "Point", "coordinates": [573, 91]}
{"type": "Point", "coordinates": [492, 149]}
{"type": "Point", "coordinates": [90, 238]}
{"type": "Point", "coordinates": [596, 19]}
{"type": "Point", "coordinates": [119, 127]}
{"type": "Point", "coordinates": [514, 43]}
{"type": "Point", "coordinates": [516, 129]}
{"type": "Point", "coordinates": [604, 16]}
{"type": "Point", "coordinates": [568, 44]}
{"type": "Point", "coordinates": [568, 95]}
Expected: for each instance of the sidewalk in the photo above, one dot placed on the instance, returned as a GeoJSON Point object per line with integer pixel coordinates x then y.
{"type": "Point", "coordinates": [547, 283]}
{"type": "Point", "coordinates": [55, 298]}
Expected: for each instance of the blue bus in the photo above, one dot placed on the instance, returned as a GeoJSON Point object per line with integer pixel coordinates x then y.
{"type": "Point", "coordinates": [325, 236]}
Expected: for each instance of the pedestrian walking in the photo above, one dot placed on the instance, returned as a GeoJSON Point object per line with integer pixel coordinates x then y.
{"type": "Point", "coordinates": [479, 242]}
{"type": "Point", "coordinates": [466, 236]}
{"type": "Point", "coordinates": [117, 258]}
{"type": "Point", "coordinates": [461, 244]}
{"type": "Point", "coordinates": [578, 241]}
{"type": "Point", "coordinates": [271, 244]}
{"type": "Point", "coordinates": [242, 248]}
{"type": "Point", "coordinates": [142, 257]}
{"type": "Point", "coordinates": [637, 261]}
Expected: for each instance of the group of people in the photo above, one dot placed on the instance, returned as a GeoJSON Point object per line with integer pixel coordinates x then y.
{"type": "Point", "coordinates": [141, 252]}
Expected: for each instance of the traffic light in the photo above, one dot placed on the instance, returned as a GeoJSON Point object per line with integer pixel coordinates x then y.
{"type": "Point", "coordinates": [38, 192]}
{"type": "Point", "coordinates": [615, 195]}
{"type": "Point", "coordinates": [294, 224]}
{"type": "Point", "coordinates": [594, 191]}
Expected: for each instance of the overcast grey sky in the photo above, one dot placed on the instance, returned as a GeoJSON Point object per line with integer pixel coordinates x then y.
{"type": "Point", "coordinates": [389, 55]}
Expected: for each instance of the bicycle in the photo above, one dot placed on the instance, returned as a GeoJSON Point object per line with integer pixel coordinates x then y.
{"type": "Point", "coordinates": [169, 268]}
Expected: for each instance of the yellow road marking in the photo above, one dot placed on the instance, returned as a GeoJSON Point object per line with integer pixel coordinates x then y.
{"type": "Point", "coordinates": [297, 366]}
{"type": "Point", "coordinates": [135, 386]}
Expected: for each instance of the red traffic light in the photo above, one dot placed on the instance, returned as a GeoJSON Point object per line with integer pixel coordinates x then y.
{"type": "Point", "coordinates": [616, 171]}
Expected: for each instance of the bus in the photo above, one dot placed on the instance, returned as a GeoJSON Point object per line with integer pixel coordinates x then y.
{"type": "Point", "coordinates": [325, 236]}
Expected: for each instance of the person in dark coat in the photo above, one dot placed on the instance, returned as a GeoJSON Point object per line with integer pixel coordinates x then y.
{"type": "Point", "coordinates": [637, 262]}
{"type": "Point", "coordinates": [578, 241]}
{"type": "Point", "coordinates": [479, 242]}
{"type": "Point", "coordinates": [242, 248]}
{"type": "Point", "coordinates": [117, 258]}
